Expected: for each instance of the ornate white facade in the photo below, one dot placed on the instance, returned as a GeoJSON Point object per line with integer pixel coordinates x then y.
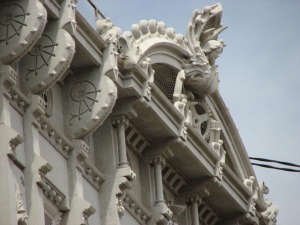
{"type": "Point", "coordinates": [103, 127]}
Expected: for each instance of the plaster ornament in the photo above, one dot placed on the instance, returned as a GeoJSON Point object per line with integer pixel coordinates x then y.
{"type": "Point", "coordinates": [21, 24]}
{"type": "Point", "coordinates": [201, 117]}
{"type": "Point", "coordinates": [22, 216]}
{"type": "Point", "coordinates": [203, 29]}
{"type": "Point", "coordinates": [250, 184]}
{"type": "Point", "coordinates": [51, 55]}
{"type": "Point", "coordinates": [90, 100]}
{"type": "Point", "coordinates": [270, 214]}
{"type": "Point", "coordinates": [107, 30]}
{"type": "Point", "coordinates": [272, 211]}
{"type": "Point", "coordinates": [146, 65]}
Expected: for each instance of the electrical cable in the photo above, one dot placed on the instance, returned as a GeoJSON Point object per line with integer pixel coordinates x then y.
{"type": "Point", "coordinates": [275, 161]}
{"type": "Point", "coordinates": [276, 168]}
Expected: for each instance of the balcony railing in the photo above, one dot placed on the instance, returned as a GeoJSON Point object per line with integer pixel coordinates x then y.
{"type": "Point", "coordinates": [89, 11]}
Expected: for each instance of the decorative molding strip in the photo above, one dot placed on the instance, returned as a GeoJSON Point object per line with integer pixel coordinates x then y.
{"type": "Point", "coordinates": [8, 77]}
{"type": "Point", "coordinates": [137, 210]}
{"type": "Point", "coordinates": [92, 175]}
{"type": "Point", "coordinates": [53, 193]}
{"type": "Point", "coordinates": [58, 140]}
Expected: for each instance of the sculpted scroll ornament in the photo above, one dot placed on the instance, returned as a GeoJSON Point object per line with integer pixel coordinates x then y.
{"type": "Point", "coordinates": [200, 68]}
{"type": "Point", "coordinates": [272, 210]}
{"type": "Point", "coordinates": [250, 184]}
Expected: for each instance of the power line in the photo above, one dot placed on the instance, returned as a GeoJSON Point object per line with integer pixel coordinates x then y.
{"type": "Point", "coordinates": [275, 161]}
{"type": "Point", "coordinates": [276, 168]}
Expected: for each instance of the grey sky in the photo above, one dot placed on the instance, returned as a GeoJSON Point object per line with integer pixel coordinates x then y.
{"type": "Point", "coordinates": [259, 73]}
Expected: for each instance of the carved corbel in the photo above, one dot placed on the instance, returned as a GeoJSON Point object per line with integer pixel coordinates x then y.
{"type": "Point", "coordinates": [50, 57]}
{"type": "Point", "coordinates": [110, 34]}
{"type": "Point", "coordinates": [124, 178]}
{"type": "Point", "coordinates": [251, 186]}
{"type": "Point", "coordinates": [272, 210]}
{"type": "Point", "coordinates": [81, 153]}
{"type": "Point", "coordinates": [21, 24]}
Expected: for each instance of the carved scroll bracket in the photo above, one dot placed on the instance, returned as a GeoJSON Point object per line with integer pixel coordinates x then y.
{"type": "Point", "coordinates": [250, 183]}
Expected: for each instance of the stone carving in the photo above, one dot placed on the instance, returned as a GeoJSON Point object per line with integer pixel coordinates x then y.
{"type": "Point", "coordinates": [272, 211]}
{"type": "Point", "coordinates": [21, 24]}
{"type": "Point", "coordinates": [201, 116]}
{"type": "Point", "coordinates": [21, 212]}
{"type": "Point", "coordinates": [13, 19]}
{"type": "Point", "coordinates": [89, 102]}
{"type": "Point", "coordinates": [216, 144]}
{"type": "Point", "coordinates": [52, 193]}
{"type": "Point", "coordinates": [136, 208]}
{"type": "Point", "coordinates": [41, 54]}
{"type": "Point", "coordinates": [203, 29]}
{"type": "Point", "coordinates": [134, 44]}
{"type": "Point", "coordinates": [52, 54]}
{"type": "Point", "coordinates": [110, 34]}
{"type": "Point", "coordinates": [250, 184]}
{"type": "Point", "coordinates": [84, 93]}
{"type": "Point", "coordinates": [199, 47]}
{"type": "Point", "coordinates": [146, 65]}
{"type": "Point", "coordinates": [86, 214]}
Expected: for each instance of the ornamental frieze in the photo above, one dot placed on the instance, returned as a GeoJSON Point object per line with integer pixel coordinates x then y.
{"type": "Point", "coordinates": [21, 24]}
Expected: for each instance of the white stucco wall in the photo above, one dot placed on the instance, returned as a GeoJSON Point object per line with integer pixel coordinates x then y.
{"type": "Point", "coordinates": [128, 219]}
{"type": "Point", "coordinates": [59, 174]}
{"type": "Point", "coordinates": [17, 124]}
{"type": "Point", "coordinates": [91, 195]}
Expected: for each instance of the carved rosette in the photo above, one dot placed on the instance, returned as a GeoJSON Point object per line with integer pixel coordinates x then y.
{"type": "Point", "coordinates": [21, 24]}
{"type": "Point", "coordinates": [48, 59]}
{"type": "Point", "coordinates": [89, 101]}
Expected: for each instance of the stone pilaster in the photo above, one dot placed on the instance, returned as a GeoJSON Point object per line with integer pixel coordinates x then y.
{"type": "Point", "coordinates": [80, 209]}
{"type": "Point", "coordinates": [157, 163]}
{"type": "Point", "coordinates": [34, 164]}
{"type": "Point", "coordinates": [161, 214]}
{"type": "Point", "coordinates": [121, 123]}
{"type": "Point", "coordinates": [194, 202]}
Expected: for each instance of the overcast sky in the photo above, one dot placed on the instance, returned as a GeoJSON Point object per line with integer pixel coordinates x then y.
{"type": "Point", "coordinates": [260, 78]}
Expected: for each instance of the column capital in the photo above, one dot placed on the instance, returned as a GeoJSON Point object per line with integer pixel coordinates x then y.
{"type": "Point", "coordinates": [193, 199]}
{"type": "Point", "coordinates": [118, 120]}
{"type": "Point", "coordinates": [157, 160]}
